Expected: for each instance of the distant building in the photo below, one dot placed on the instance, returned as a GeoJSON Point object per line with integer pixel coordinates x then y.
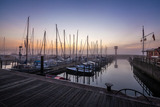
{"type": "Point", "coordinates": [153, 53]}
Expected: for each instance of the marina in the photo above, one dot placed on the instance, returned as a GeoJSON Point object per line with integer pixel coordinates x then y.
{"type": "Point", "coordinates": [93, 53]}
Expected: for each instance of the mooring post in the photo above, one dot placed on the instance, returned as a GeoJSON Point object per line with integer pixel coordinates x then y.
{"type": "Point", "coordinates": [84, 68]}
{"type": "Point", "coordinates": [77, 69]}
{"type": "Point", "coordinates": [109, 85]}
{"type": "Point", "coordinates": [0, 63]}
{"type": "Point", "coordinates": [42, 67]}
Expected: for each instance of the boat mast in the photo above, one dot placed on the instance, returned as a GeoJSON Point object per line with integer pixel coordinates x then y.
{"type": "Point", "coordinates": [4, 47]}
{"type": "Point", "coordinates": [73, 45]}
{"type": "Point", "coordinates": [87, 49]}
{"type": "Point", "coordinates": [91, 48]}
{"type": "Point", "coordinates": [97, 47]}
{"type": "Point", "coordinates": [80, 52]}
{"type": "Point", "coordinates": [32, 41]}
{"type": "Point", "coordinates": [101, 48]}
{"type": "Point", "coordinates": [44, 42]}
{"type": "Point", "coordinates": [76, 45]}
{"type": "Point", "coordinates": [70, 45]}
{"type": "Point", "coordinates": [27, 41]}
{"type": "Point", "coordinates": [106, 51]}
{"type": "Point", "coordinates": [56, 42]}
{"type": "Point", "coordinates": [64, 45]}
{"type": "Point", "coordinates": [37, 47]}
{"type": "Point", "coordinates": [52, 47]}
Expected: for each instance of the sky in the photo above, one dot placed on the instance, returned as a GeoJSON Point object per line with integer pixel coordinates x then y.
{"type": "Point", "coordinates": [115, 22]}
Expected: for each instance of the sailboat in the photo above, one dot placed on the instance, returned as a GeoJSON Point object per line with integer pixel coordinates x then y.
{"type": "Point", "coordinates": [86, 67]}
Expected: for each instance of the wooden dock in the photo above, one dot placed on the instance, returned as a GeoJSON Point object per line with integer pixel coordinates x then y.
{"type": "Point", "coordinates": [23, 89]}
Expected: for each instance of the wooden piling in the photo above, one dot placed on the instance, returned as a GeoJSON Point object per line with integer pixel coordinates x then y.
{"type": "Point", "coordinates": [0, 63]}
{"type": "Point", "coordinates": [42, 67]}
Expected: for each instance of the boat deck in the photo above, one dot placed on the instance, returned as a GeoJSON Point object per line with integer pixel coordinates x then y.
{"type": "Point", "coordinates": [22, 89]}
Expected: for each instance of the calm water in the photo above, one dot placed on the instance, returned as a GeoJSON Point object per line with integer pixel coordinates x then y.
{"type": "Point", "coordinates": [119, 73]}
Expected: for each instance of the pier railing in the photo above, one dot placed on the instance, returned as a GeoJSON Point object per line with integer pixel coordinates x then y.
{"type": "Point", "coordinates": [152, 61]}
{"type": "Point", "coordinates": [135, 91]}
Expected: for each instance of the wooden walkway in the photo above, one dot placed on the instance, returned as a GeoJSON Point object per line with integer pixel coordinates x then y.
{"type": "Point", "coordinates": [22, 89]}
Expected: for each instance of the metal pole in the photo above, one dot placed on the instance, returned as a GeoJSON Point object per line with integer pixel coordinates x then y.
{"type": "Point", "coordinates": [143, 40]}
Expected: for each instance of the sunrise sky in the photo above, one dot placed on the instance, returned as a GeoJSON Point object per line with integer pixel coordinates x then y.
{"type": "Point", "coordinates": [116, 22]}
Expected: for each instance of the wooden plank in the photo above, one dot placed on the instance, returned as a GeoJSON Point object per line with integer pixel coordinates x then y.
{"type": "Point", "coordinates": [105, 101]}
{"type": "Point", "coordinates": [94, 100]}
{"type": "Point", "coordinates": [5, 76]}
{"type": "Point", "coordinates": [15, 84]}
{"type": "Point", "coordinates": [40, 97]}
{"type": "Point", "coordinates": [68, 95]}
{"type": "Point", "coordinates": [10, 80]}
{"type": "Point", "coordinates": [49, 98]}
{"type": "Point", "coordinates": [9, 92]}
{"type": "Point", "coordinates": [59, 93]}
{"type": "Point", "coordinates": [89, 99]}
{"type": "Point", "coordinates": [100, 100]}
{"type": "Point", "coordinates": [83, 98]}
{"type": "Point", "coordinates": [28, 93]}
{"type": "Point", "coordinates": [77, 97]}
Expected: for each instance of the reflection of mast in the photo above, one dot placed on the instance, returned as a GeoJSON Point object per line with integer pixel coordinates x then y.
{"type": "Point", "coordinates": [88, 80]}
{"type": "Point", "coordinates": [115, 47]}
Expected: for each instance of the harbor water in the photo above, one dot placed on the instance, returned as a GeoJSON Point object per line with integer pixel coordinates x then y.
{"type": "Point", "coordinates": [119, 73]}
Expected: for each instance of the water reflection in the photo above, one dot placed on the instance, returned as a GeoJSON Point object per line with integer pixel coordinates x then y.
{"type": "Point", "coordinates": [116, 65]}
{"type": "Point", "coordinates": [8, 64]}
{"type": "Point", "coordinates": [148, 85]}
{"type": "Point", "coordinates": [122, 76]}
